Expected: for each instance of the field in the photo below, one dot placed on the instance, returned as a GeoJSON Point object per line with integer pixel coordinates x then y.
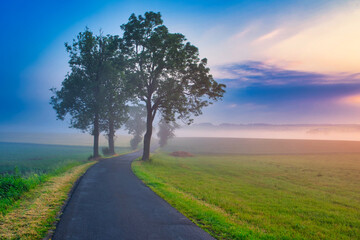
{"type": "Point", "coordinates": [42, 158]}
{"type": "Point", "coordinates": [260, 146]}
{"type": "Point", "coordinates": [23, 166]}
{"type": "Point", "coordinates": [281, 193]}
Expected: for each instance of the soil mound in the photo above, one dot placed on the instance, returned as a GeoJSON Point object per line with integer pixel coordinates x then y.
{"type": "Point", "coordinates": [181, 154]}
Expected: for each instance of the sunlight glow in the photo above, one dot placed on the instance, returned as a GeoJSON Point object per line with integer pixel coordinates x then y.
{"type": "Point", "coordinates": [352, 100]}
{"type": "Point", "coordinates": [329, 44]}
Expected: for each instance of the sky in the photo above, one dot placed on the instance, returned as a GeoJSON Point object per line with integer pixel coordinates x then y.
{"type": "Point", "coordinates": [284, 62]}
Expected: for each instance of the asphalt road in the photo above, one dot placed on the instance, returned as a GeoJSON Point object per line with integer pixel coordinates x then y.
{"type": "Point", "coordinates": [110, 202]}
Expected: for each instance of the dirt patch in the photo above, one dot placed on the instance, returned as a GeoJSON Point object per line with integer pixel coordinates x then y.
{"type": "Point", "coordinates": [181, 154]}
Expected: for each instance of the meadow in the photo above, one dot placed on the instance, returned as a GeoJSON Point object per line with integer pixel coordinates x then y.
{"type": "Point", "coordinates": [24, 166]}
{"type": "Point", "coordinates": [42, 158]}
{"type": "Point", "coordinates": [261, 189]}
{"type": "Point", "coordinates": [253, 146]}
{"type": "Point", "coordinates": [39, 158]}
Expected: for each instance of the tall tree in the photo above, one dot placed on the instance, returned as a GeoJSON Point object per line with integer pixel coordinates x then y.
{"type": "Point", "coordinates": [166, 131]}
{"type": "Point", "coordinates": [117, 94]}
{"type": "Point", "coordinates": [136, 124]}
{"type": "Point", "coordinates": [167, 73]}
{"type": "Point", "coordinates": [82, 92]}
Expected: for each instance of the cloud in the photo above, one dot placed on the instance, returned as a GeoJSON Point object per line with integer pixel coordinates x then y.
{"type": "Point", "coordinates": [283, 95]}
{"type": "Point", "coordinates": [251, 73]}
{"type": "Point", "coordinates": [322, 39]}
{"type": "Point", "coordinates": [240, 35]}
{"type": "Point", "coordinates": [268, 36]}
{"type": "Point", "coordinates": [233, 105]}
{"type": "Point", "coordinates": [329, 43]}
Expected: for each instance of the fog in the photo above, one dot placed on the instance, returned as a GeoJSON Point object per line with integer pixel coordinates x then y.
{"type": "Point", "coordinates": [79, 139]}
{"type": "Point", "coordinates": [262, 131]}
{"type": "Point", "coordinates": [268, 131]}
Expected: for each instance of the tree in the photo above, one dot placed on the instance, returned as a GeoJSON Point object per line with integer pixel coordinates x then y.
{"type": "Point", "coordinates": [167, 73]}
{"type": "Point", "coordinates": [166, 131]}
{"type": "Point", "coordinates": [83, 90]}
{"type": "Point", "coordinates": [117, 94]}
{"type": "Point", "coordinates": [136, 124]}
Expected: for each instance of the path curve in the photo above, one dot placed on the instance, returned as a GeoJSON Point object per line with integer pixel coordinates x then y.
{"type": "Point", "coordinates": [110, 202]}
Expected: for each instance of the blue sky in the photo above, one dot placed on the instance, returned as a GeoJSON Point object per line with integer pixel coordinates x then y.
{"type": "Point", "coordinates": [283, 61]}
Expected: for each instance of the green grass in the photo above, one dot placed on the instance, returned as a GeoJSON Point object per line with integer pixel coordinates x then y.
{"type": "Point", "coordinates": [42, 158]}
{"type": "Point", "coordinates": [312, 196]}
{"type": "Point", "coordinates": [221, 146]}
{"type": "Point", "coordinates": [37, 211]}
{"type": "Point", "coordinates": [24, 166]}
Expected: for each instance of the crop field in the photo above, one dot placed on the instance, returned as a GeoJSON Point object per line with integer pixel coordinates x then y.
{"type": "Point", "coordinates": [279, 193]}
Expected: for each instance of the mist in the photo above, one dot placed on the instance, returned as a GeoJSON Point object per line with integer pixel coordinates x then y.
{"type": "Point", "coordinates": [350, 132]}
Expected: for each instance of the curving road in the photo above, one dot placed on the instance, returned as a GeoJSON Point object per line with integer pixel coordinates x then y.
{"type": "Point", "coordinates": [110, 202]}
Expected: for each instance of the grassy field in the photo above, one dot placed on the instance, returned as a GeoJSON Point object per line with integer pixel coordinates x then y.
{"type": "Point", "coordinates": [39, 158]}
{"type": "Point", "coordinates": [24, 166]}
{"type": "Point", "coordinates": [260, 146]}
{"type": "Point", "coordinates": [268, 196]}
{"type": "Point", "coordinates": [42, 158]}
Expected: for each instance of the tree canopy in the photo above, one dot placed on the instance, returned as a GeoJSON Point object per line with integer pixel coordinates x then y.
{"type": "Point", "coordinates": [166, 72]}
{"type": "Point", "coordinates": [148, 64]}
{"type": "Point", "coordinates": [91, 91]}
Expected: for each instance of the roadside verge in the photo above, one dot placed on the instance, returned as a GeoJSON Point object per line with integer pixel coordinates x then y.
{"type": "Point", "coordinates": [38, 209]}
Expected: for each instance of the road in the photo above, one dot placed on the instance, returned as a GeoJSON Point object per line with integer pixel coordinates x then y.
{"type": "Point", "coordinates": [110, 202]}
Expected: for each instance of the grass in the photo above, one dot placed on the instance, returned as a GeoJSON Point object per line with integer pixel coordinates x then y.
{"type": "Point", "coordinates": [308, 196]}
{"type": "Point", "coordinates": [248, 146]}
{"type": "Point", "coordinates": [25, 166]}
{"type": "Point", "coordinates": [37, 210]}
{"type": "Point", "coordinates": [12, 187]}
{"type": "Point", "coordinates": [41, 158]}
{"type": "Point", "coordinates": [34, 182]}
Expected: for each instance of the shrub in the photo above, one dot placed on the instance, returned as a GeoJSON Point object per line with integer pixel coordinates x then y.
{"type": "Point", "coordinates": [106, 151]}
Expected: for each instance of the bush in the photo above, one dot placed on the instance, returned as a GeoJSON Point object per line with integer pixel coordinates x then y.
{"type": "Point", "coordinates": [106, 151]}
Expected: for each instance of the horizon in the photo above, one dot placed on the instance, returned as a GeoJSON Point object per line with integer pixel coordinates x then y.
{"type": "Point", "coordinates": [327, 132]}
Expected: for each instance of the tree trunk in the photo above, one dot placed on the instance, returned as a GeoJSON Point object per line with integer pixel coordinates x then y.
{"type": "Point", "coordinates": [147, 137]}
{"type": "Point", "coordinates": [96, 136]}
{"type": "Point", "coordinates": [111, 138]}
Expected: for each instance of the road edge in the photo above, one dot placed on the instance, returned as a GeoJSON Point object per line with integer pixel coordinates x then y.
{"type": "Point", "coordinates": [51, 232]}
{"type": "Point", "coordinates": [164, 200]}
